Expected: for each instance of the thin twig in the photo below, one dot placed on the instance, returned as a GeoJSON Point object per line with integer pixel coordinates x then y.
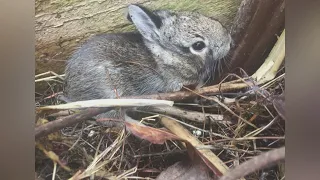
{"type": "Point", "coordinates": [183, 95]}
{"type": "Point", "coordinates": [186, 114]}
{"type": "Point", "coordinates": [215, 99]}
{"type": "Point", "coordinates": [159, 154]}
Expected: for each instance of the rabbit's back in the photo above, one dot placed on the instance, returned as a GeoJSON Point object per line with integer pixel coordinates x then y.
{"type": "Point", "coordinates": [110, 62]}
{"type": "Point", "coordinates": [170, 51]}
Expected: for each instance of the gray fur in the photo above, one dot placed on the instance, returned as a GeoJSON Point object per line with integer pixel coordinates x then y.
{"type": "Point", "coordinates": [157, 58]}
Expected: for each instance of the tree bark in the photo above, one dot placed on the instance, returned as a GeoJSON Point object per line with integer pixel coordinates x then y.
{"type": "Point", "coordinates": [255, 30]}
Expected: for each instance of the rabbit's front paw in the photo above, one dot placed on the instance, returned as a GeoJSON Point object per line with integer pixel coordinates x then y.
{"type": "Point", "coordinates": [175, 86]}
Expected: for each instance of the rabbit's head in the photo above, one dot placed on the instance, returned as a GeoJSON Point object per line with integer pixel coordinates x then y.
{"type": "Point", "coordinates": [185, 42]}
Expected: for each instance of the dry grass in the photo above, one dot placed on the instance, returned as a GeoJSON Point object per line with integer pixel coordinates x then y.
{"type": "Point", "coordinates": [113, 153]}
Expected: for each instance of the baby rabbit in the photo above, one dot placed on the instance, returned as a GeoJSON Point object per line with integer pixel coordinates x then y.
{"type": "Point", "coordinates": [170, 50]}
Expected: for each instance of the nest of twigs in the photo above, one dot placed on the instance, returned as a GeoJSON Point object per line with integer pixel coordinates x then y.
{"type": "Point", "coordinates": [232, 130]}
{"type": "Point", "coordinates": [87, 150]}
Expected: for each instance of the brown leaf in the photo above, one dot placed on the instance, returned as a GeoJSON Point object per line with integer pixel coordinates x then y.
{"type": "Point", "coordinates": [154, 135]}
{"type": "Point", "coordinates": [53, 156]}
{"type": "Point", "coordinates": [185, 170]}
{"type": "Point", "coordinates": [56, 159]}
{"type": "Point", "coordinates": [76, 176]}
{"type": "Point", "coordinates": [198, 158]}
{"type": "Point", "coordinates": [205, 156]}
{"type": "Point", "coordinates": [279, 105]}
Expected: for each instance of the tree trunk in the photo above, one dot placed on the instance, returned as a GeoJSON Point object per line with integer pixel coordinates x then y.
{"type": "Point", "coordinates": [255, 31]}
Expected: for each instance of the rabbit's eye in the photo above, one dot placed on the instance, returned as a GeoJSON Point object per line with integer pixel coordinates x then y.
{"type": "Point", "coordinates": [198, 46]}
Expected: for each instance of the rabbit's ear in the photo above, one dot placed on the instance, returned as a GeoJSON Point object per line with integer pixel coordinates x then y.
{"type": "Point", "coordinates": [146, 22]}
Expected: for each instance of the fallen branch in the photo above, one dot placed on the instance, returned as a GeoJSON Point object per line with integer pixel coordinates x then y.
{"type": "Point", "coordinates": [175, 96]}
{"type": "Point", "coordinates": [259, 162]}
{"type": "Point", "coordinates": [58, 124]}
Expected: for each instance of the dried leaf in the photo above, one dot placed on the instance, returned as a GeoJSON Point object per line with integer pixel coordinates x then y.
{"type": "Point", "coordinates": [185, 170]}
{"type": "Point", "coordinates": [196, 153]}
{"type": "Point", "coordinates": [154, 135]}
{"type": "Point", "coordinates": [53, 156]}
{"type": "Point", "coordinates": [54, 136]}
{"type": "Point", "coordinates": [197, 157]}
{"type": "Point", "coordinates": [41, 122]}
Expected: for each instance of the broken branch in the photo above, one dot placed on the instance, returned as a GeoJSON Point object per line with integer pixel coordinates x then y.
{"type": "Point", "coordinates": [67, 121]}
{"type": "Point", "coordinates": [256, 163]}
